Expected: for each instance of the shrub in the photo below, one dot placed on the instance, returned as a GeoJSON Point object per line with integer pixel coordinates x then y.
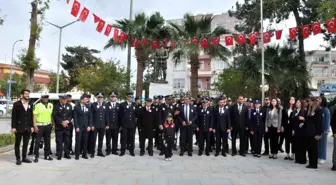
{"type": "Point", "coordinates": [6, 139]}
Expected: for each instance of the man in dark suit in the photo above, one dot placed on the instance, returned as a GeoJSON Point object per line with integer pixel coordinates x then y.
{"type": "Point", "coordinates": [62, 115]}
{"type": "Point", "coordinates": [222, 126]}
{"type": "Point", "coordinates": [204, 127]}
{"type": "Point", "coordinates": [239, 118]}
{"type": "Point", "coordinates": [266, 137]}
{"type": "Point", "coordinates": [113, 108]}
{"type": "Point", "coordinates": [187, 116]}
{"type": "Point", "coordinates": [257, 127]}
{"type": "Point", "coordinates": [127, 116]}
{"type": "Point", "coordinates": [22, 125]}
{"type": "Point", "coordinates": [83, 124]}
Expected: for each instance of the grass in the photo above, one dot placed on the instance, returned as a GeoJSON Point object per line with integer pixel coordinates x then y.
{"type": "Point", "coordinates": [6, 139]}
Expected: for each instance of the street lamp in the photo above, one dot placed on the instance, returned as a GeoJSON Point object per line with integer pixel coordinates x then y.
{"type": "Point", "coordinates": [10, 76]}
{"type": "Point", "coordinates": [262, 54]}
{"type": "Point", "coordinates": [59, 49]}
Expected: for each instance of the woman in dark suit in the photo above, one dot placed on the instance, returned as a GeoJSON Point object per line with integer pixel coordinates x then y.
{"type": "Point", "coordinates": [287, 128]}
{"type": "Point", "coordinates": [314, 131]}
{"type": "Point", "coordinates": [299, 132]}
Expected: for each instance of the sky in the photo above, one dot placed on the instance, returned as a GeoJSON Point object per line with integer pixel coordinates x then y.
{"type": "Point", "coordinates": [16, 25]}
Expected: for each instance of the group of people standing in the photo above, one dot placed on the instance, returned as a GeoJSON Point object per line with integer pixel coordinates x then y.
{"type": "Point", "coordinates": [303, 125]}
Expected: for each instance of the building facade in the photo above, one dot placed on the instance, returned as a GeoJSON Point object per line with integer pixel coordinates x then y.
{"type": "Point", "coordinates": [209, 67]}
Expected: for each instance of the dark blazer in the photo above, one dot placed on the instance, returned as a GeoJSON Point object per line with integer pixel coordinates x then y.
{"type": "Point", "coordinates": [205, 119]}
{"type": "Point", "coordinates": [148, 120]}
{"type": "Point", "coordinates": [163, 111]}
{"type": "Point", "coordinates": [333, 122]}
{"type": "Point", "coordinates": [286, 120]}
{"type": "Point", "coordinates": [99, 115]}
{"type": "Point", "coordinates": [113, 115]}
{"type": "Point", "coordinates": [314, 123]}
{"type": "Point", "coordinates": [222, 121]}
{"type": "Point", "coordinates": [192, 115]}
{"type": "Point", "coordinates": [22, 120]}
{"type": "Point", "coordinates": [62, 113]}
{"type": "Point", "coordinates": [239, 120]}
{"type": "Point", "coordinates": [257, 122]}
{"type": "Point", "coordinates": [82, 119]}
{"type": "Point", "coordinates": [127, 115]}
{"type": "Point", "coordinates": [298, 131]}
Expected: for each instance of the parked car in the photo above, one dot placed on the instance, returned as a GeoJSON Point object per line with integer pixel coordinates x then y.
{"type": "Point", "coordinates": [3, 110]}
{"type": "Point", "coordinates": [3, 102]}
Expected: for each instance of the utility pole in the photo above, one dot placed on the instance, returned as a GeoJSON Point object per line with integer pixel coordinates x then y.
{"type": "Point", "coordinates": [129, 50]}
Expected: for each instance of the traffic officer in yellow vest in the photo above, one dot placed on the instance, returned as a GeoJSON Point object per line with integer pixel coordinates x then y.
{"type": "Point", "coordinates": [42, 126]}
{"type": "Point", "coordinates": [71, 124]}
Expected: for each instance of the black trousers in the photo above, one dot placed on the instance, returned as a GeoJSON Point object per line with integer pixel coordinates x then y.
{"type": "Point", "coordinates": [143, 135]}
{"type": "Point", "coordinates": [128, 135]}
{"type": "Point", "coordinates": [257, 137]}
{"type": "Point", "coordinates": [242, 144]}
{"type": "Point", "coordinates": [312, 151]}
{"type": "Point", "coordinates": [62, 142]}
{"type": "Point", "coordinates": [168, 149]}
{"type": "Point", "coordinates": [112, 136]}
{"type": "Point", "coordinates": [81, 142]}
{"type": "Point", "coordinates": [248, 141]}
{"type": "Point", "coordinates": [289, 142]}
{"type": "Point", "coordinates": [89, 143]}
{"type": "Point", "coordinates": [175, 136]}
{"type": "Point", "coordinates": [186, 136]}
{"type": "Point", "coordinates": [212, 139]}
{"type": "Point", "coordinates": [197, 136]}
{"type": "Point", "coordinates": [100, 132]}
{"type": "Point", "coordinates": [204, 137]}
{"type": "Point", "coordinates": [274, 139]}
{"type": "Point", "coordinates": [18, 137]}
{"type": "Point", "coordinates": [266, 142]}
{"type": "Point", "coordinates": [159, 143]}
{"type": "Point", "coordinates": [221, 140]}
{"type": "Point", "coordinates": [300, 149]}
{"type": "Point", "coordinates": [281, 139]}
{"type": "Point", "coordinates": [45, 132]}
{"type": "Point", "coordinates": [71, 130]}
{"type": "Point", "coordinates": [32, 142]}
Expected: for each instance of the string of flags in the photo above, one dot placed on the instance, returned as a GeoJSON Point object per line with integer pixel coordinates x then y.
{"type": "Point", "coordinates": [102, 27]}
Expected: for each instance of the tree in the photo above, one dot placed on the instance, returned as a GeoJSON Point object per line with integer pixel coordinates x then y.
{"type": "Point", "coordinates": [232, 84]}
{"type": "Point", "coordinates": [78, 57]}
{"type": "Point", "coordinates": [327, 11]}
{"type": "Point", "coordinates": [141, 28]}
{"type": "Point", "coordinates": [16, 87]}
{"type": "Point", "coordinates": [103, 77]}
{"type": "Point", "coordinates": [63, 82]}
{"type": "Point", "coordinates": [197, 28]}
{"type": "Point", "coordinates": [304, 11]}
{"type": "Point", "coordinates": [2, 19]}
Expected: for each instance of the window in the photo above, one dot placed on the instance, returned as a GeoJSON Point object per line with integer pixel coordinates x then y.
{"type": "Point", "coordinates": [320, 82]}
{"type": "Point", "coordinates": [201, 66]}
{"type": "Point", "coordinates": [180, 66]}
{"type": "Point", "coordinates": [199, 84]}
{"type": "Point", "coordinates": [319, 72]}
{"type": "Point", "coordinates": [220, 65]}
{"type": "Point", "coordinates": [179, 83]}
{"type": "Point", "coordinates": [221, 25]}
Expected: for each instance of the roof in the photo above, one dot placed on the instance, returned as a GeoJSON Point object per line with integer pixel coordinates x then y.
{"type": "Point", "coordinates": [36, 79]}
{"type": "Point", "coordinates": [8, 66]}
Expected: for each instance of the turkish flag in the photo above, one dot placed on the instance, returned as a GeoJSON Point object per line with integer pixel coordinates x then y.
{"type": "Point", "coordinates": [100, 25]}
{"type": "Point", "coordinates": [229, 40]}
{"type": "Point", "coordinates": [96, 18]}
{"type": "Point", "coordinates": [316, 27]}
{"type": "Point", "coordinates": [108, 30]}
{"type": "Point", "coordinates": [267, 37]}
{"type": "Point", "coordinates": [194, 40]}
{"type": "Point", "coordinates": [115, 34]}
{"type": "Point", "coordinates": [165, 41]}
{"type": "Point", "coordinates": [155, 44]}
{"type": "Point", "coordinates": [292, 33]}
{"type": "Point", "coordinates": [84, 14]}
{"type": "Point", "coordinates": [75, 8]}
{"type": "Point", "coordinates": [331, 26]}
{"type": "Point", "coordinates": [305, 31]}
{"type": "Point", "coordinates": [278, 34]}
{"type": "Point", "coordinates": [241, 39]}
{"type": "Point", "coordinates": [145, 42]}
{"type": "Point", "coordinates": [123, 36]}
{"type": "Point", "coordinates": [253, 38]}
{"type": "Point", "coordinates": [136, 43]}
{"type": "Point", "coordinates": [215, 41]}
{"type": "Point", "coordinates": [204, 43]}
{"type": "Point", "coordinates": [173, 44]}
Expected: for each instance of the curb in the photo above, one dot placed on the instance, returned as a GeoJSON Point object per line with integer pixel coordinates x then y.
{"type": "Point", "coordinates": [11, 147]}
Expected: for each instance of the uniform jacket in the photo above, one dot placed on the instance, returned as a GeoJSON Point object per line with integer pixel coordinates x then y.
{"type": "Point", "coordinates": [99, 115]}
{"type": "Point", "coordinates": [62, 113]}
{"type": "Point", "coordinates": [22, 120]}
{"type": "Point", "coordinates": [113, 115]}
{"type": "Point", "coordinates": [239, 120]}
{"type": "Point", "coordinates": [222, 121]}
{"type": "Point", "coordinates": [168, 130]}
{"type": "Point", "coordinates": [205, 119]}
{"type": "Point", "coordinates": [163, 111]}
{"type": "Point", "coordinates": [82, 119]}
{"type": "Point", "coordinates": [127, 115]}
{"type": "Point", "coordinates": [257, 122]}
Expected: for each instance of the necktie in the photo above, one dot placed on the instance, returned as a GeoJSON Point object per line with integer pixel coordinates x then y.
{"type": "Point", "coordinates": [239, 108]}
{"type": "Point", "coordinates": [257, 110]}
{"type": "Point", "coordinates": [186, 113]}
{"type": "Point", "coordinates": [83, 108]}
{"type": "Point", "coordinates": [249, 113]}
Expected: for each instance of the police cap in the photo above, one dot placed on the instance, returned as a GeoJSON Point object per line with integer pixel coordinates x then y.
{"type": "Point", "coordinates": [257, 102]}
{"type": "Point", "coordinates": [130, 95]}
{"type": "Point", "coordinates": [149, 100]}
{"type": "Point", "coordinates": [100, 95]}
{"type": "Point", "coordinates": [113, 94]}
{"type": "Point", "coordinates": [155, 97]}
{"type": "Point", "coordinates": [62, 96]}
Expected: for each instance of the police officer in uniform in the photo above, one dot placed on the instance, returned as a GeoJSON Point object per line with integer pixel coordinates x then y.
{"type": "Point", "coordinates": [83, 124]}
{"type": "Point", "coordinates": [138, 109]}
{"type": "Point", "coordinates": [100, 124]}
{"type": "Point", "coordinates": [128, 125]}
{"type": "Point", "coordinates": [204, 127]}
{"type": "Point", "coordinates": [257, 126]}
{"type": "Point", "coordinates": [248, 136]}
{"type": "Point", "coordinates": [112, 132]}
{"type": "Point", "coordinates": [147, 121]}
{"type": "Point", "coordinates": [71, 124]}
{"type": "Point", "coordinates": [62, 115]}
{"type": "Point", "coordinates": [157, 136]}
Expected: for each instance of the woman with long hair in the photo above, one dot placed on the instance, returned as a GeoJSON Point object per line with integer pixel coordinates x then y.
{"type": "Point", "coordinates": [314, 131]}
{"type": "Point", "coordinates": [322, 143]}
{"type": "Point", "coordinates": [299, 132]}
{"type": "Point", "coordinates": [287, 128]}
{"type": "Point", "coordinates": [273, 126]}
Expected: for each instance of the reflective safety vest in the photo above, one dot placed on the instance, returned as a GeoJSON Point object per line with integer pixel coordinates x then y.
{"type": "Point", "coordinates": [43, 113]}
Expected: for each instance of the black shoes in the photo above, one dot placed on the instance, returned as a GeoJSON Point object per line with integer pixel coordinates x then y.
{"type": "Point", "coordinates": [190, 154]}
{"type": "Point", "coordinates": [132, 154]}
{"type": "Point", "coordinates": [100, 154]}
{"type": "Point", "coordinates": [30, 153]}
{"type": "Point", "coordinates": [85, 157]}
{"type": "Point", "coordinates": [36, 160]}
{"type": "Point", "coordinates": [265, 153]}
{"type": "Point", "coordinates": [72, 152]}
{"type": "Point", "coordinates": [223, 154]}
{"type": "Point", "coordinates": [150, 153]}
{"type": "Point", "coordinates": [77, 157]}
{"type": "Point", "coordinates": [122, 154]}
{"type": "Point", "coordinates": [142, 153]}
{"type": "Point", "coordinates": [161, 153]}
{"type": "Point", "coordinates": [333, 168]}
{"type": "Point", "coordinates": [26, 160]}
{"type": "Point", "coordinates": [281, 150]}
{"type": "Point", "coordinates": [48, 158]}
{"type": "Point", "coordinates": [216, 154]}
{"type": "Point", "coordinates": [92, 155]}
{"type": "Point", "coordinates": [67, 156]}
{"type": "Point", "coordinates": [200, 153]}
{"type": "Point", "coordinates": [234, 153]}
{"type": "Point", "coordinates": [181, 153]}
{"type": "Point", "coordinates": [115, 153]}
{"type": "Point", "coordinates": [59, 158]}
{"type": "Point", "coordinates": [18, 161]}
{"type": "Point", "coordinates": [311, 167]}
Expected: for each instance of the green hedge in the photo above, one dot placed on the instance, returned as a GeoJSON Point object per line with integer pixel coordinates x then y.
{"type": "Point", "coordinates": [6, 139]}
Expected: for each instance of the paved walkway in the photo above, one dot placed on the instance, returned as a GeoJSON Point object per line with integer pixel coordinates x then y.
{"type": "Point", "coordinates": [127, 170]}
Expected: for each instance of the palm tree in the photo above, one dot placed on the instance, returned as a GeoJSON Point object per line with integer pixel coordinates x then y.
{"type": "Point", "coordinates": [197, 28]}
{"type": "Point", "coordinates": [284, 70]}
{"type": "Point", "coordinates": [141, 28]}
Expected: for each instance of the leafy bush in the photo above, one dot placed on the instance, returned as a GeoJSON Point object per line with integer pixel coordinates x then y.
{"type": "Point", "coordinates": [6, 139]}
